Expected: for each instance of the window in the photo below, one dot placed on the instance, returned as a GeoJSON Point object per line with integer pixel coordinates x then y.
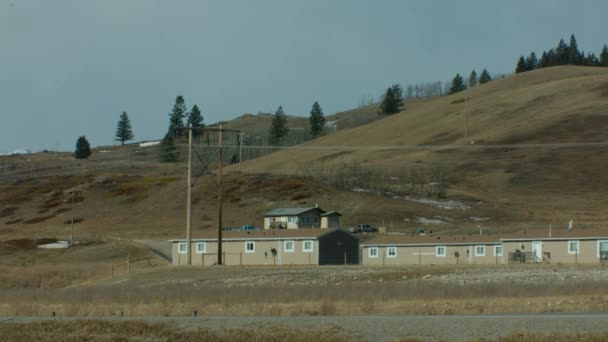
{"type": "Point", "coordinates": [249, 247]}
{"type": "Point", "coordinates": [440, 251]}
{"type": "Point", "coordinates": [373, 252]}
{"type": "Point", "coordinates": [316, 219]}
{"type": "Point", "coordinates": [480, 250]}
{"type": "Point", "coordinates": [201, 247]}
{"type": "Point", "coordinates": [391, 252]}
{"type": "Point", "coordinates": [292, 219]}
{"type": "Point", "coordinates": [305, 219]}
{"type": "Point", "coordinates": [182, 248]}
{"type": "Point", "coordinates": [307, 246]}
{"type": "Point", "coordinates": [572, 247]}
{"type": "Point", "coordinates": [498, 250]}
{"type": "Point", "coordinates": [602, 250]}
{"type": "Point", "coordinates": [288, 246]}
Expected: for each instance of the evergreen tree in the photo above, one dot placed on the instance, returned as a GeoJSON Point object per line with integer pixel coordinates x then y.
{"type": "Point", "coordinates": [317, 120]}
{"type": "Point", "coordinates": [392, 102]}
{"type": "Point", "coordinates": [278, 128]}
{"type": "Point", "coordinates": [196, 120]}
{"type": "Point", "coordinates": [168, 148]}
{"type": "Point", "coordinates": [604, 56]}
{"type": "Point", "coordinates": [123, 129]}
{"type": "Point", "coordinates": [176, 117]}
{"type": "Point", "coordinates": [484, 77]}
{"type": "Point", "coordinates": [544, 60]}
{"type": "Point", "coordinates": [473, 79]}
{"type": "Point", "coordinates": [83, 149]}
{"type": "Point", "coordinates": [574, 56]}
{"type": "Point", "coordinates": [457, 85]}
{"type": "Point", "coordinates": [531, 62]}
{"type": "Point", "coordinates": [561, 53]}
{"type": "Point", "coordinates": [521, 65]}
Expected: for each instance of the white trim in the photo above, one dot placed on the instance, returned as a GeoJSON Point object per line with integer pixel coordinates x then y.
{"type": "Point", "coordinates": [501, 250]}
{"type": "Point", "coordinates": [578, 246]}
{"type": "Point", "coordinates": [480, 254]}
{"type": "Point", "coordinates": [293, 246]}
{"type": "Point", "coordinates": [441, 255]}
{"type": "Point", "coordinates": [388, 252]}
{"type": "Point", "coordinates": [426, 244]}
{"type": "Point", "coordinates": [312, 246]}
{"type": "Point", "coordinates": [599, 243]}
{"type": "Point", "coordinates": [253, 245]}
{"type": "Point", "coordinates": [202, 250]}
{"type": "Point", "coordinates": [179, 248]}
{"type": "Point", "coordinates": [369, 252]}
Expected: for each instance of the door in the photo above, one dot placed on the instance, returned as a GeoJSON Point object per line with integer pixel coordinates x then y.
{"type": "Point", "coordinates": [603, 250]}
{"type": "Point", "coordinates": [537, 247]}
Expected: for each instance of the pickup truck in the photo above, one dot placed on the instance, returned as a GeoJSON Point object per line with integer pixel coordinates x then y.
{"type": "Point", "coordinates": [363, 228]}
{"type": "Point", "coordinates": [245, 227]}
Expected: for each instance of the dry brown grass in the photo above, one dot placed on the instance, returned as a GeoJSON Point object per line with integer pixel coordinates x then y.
{"type": "Point", "coordinates": [96, 330]}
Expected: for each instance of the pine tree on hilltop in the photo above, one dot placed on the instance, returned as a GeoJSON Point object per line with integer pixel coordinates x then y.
{"type": "Point", "coordinates": [392, 102]}
{"type": "Point", "coordinates": [195, 119]}
{"type": "Point", "coordinates": [484, 77]}
{"type": "Point", "coordinates": [473, 79]}
{"type": "Point", "coordinates": [123, 129]}
{"type": "Point", "coordinates": [561, 53]}
{"type": "Point", "coordinates": [83, 149]}
{"type": "Point", "coordinates": [604, 56]}
{"type": "Point", "coordinates": [521, 65]}
{"type": "Point", "coordinates": [574, 56]}
{"type": "Point", "coordinates": [176, 117]}
{"type": "Point", "coordinates": [317, 120]}
{"type": "Point", "coordinates": [278, 128]}
{"type": "Point", "coordinates": [457, 85]}
{"type": "Point", "coordinates": [531, 61]}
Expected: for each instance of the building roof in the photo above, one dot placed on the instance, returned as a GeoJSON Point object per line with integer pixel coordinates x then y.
{"type": "Point", "coordinates": [265, 234]}
{"type": "Point", "coordinates": [290, 211]}
{"type": "Point", "coordinates": [331, 213]}
{"type": "Point", "coordinates": [439, 239]}
{"type": "Point", "coordinates": [434, 239]}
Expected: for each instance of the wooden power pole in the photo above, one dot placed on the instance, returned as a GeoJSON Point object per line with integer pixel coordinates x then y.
{"type": "Point", "coordinates": [219, 201]}
{"type": "Point", "coordinates": [189, 200]}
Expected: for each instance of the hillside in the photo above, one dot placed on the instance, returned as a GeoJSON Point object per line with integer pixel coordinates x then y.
{"type": "Point", "coordinates": [371, 174]}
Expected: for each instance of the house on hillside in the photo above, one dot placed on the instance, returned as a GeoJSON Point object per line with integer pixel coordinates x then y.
{"type": "Point", "coordinates": [313, 246]}
{"type": "Point", "coordinates": [296, 218]}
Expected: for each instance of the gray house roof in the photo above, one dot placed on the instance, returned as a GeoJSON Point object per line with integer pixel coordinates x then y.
{"type": "Point", "coordinates": [290, 211]}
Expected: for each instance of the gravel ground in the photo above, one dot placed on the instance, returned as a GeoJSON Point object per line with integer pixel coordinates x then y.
{"type": "Point", "coordinates": [391, 328]}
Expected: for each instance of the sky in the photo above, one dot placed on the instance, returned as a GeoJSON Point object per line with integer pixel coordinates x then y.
{"type": "Point", "coordinates": [69, 68]}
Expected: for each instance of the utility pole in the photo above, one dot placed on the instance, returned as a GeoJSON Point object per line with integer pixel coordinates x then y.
{"type": "Point", "coordinates": [240, 149]}
{"type": "Point", "coordinates": [189, 200]}
{"type": "Point", "coordinates": [72, 219]}
{"type": "Point", "coordinates": [219, 201]}
{"type": "Point", "coordinates": [466, 116]}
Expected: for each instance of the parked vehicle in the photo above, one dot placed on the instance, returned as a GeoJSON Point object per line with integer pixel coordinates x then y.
{"type": "Point", "coordinates": [363, 228]}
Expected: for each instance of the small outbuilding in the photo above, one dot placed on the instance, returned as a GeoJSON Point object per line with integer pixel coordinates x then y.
{"type": "Point", "coordinates": [314, 246]}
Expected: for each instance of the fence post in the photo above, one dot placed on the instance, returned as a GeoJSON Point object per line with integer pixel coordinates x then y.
{"type": "Point", "coordinates": [129, 265]}
{"type": "Point", "coordinates": [203, 259]}
{"type": "Point", "coordinates": [112, 266]}
{"type": "Point", "coordinates": [241, 259]}
{"type": "Point", "coordinates": [344, 258]}
{"type": "Point", "coordinates": [223, 258]}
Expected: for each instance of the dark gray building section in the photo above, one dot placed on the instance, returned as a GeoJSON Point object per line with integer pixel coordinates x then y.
{"type": "Point", "coordinates": [338, 247]}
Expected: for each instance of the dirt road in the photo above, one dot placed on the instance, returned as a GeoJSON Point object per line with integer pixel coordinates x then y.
{"type": "Point", "coordinates": [391, 328]}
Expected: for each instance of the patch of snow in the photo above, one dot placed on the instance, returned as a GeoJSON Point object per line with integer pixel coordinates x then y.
{"type": "Point", "coordinates": [149, 143]}
{"type": "Point", "coordinates": [104, 151]}
{"type": "Point", "coordinates": [15, 152]}
{"type": "Point", "coordinates": [444, 218]}
{"type": "Point", "coordinates": [425, 220]}
{"type": "Point", "coordinates": [448, 204]}
{"type": "Point", "coordinates": [357, 189]}
{"type": "Point", "coordinates": [479, 219]}
{"type": "Point", "coordinates": [56, 245]}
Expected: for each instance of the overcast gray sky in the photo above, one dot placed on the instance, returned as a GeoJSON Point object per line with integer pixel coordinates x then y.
{"type": "Point", "coordinates": [69, 68]}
